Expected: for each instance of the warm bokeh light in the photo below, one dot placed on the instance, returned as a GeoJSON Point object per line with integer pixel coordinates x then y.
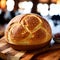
{"type": "Point", "coordinates": [0, 4]}
{"type": "Point", "coordinates": [53, 1]}
{"type": "Point", "coordinates": [3, 4]}
{"type": "Point", "coordinates": [25, 7]}
{"type": "Point", "coordinates": [10, 5]}
{"type": "Point", "coordinates": [58, 2]}
{"type": "Point", "coordinates": [43, 1]}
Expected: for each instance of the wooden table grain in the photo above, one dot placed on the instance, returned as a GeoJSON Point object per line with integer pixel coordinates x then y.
{"type": "Point", "coordinates": [46, 53]}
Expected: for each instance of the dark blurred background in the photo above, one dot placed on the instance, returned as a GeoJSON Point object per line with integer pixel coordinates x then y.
{"type": "Point", "coordinates": [48, 9]}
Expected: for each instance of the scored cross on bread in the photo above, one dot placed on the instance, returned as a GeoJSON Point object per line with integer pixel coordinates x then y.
{"type": "Point", "coordinates": [28, 30]}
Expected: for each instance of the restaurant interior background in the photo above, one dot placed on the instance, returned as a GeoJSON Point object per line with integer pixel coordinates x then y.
{"type": "Point", "coordinates": [48, 9]}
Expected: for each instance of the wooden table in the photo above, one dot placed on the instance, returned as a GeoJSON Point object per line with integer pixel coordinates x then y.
{"type": "Point", "coordinates": [47, 53]}
{"type": "Point", "coordinates": [2, 29]}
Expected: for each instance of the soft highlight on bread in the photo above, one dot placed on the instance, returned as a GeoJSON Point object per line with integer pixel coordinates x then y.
{"type": "Point", "coordinates": [28, 30]}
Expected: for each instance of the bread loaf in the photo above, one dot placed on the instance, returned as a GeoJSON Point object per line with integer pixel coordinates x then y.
{"type": "Point", "coordinates": [28, 32]}
{"type": "Point", "coordinates": [56, 37]}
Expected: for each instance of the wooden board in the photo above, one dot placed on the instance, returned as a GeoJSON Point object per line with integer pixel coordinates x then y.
{"type": "Point", "coordinates": [8, 53]}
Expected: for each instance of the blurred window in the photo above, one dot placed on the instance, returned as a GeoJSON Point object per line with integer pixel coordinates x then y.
{"type": "Point", "coordinates": [10, 5]}
{"type": "Point", "coordinates": [54, 9]}
{"type": "Point", "coordinates": [25, 7]}
{"type": "Point", "coordinates": [42, 9]}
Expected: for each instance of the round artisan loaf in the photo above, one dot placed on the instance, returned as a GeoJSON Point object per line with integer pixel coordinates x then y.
{"type": "Point", "coordinates": [28, 32]}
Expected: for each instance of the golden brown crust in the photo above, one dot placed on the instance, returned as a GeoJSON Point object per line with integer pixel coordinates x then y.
{"type": "Point", "coordinates": [28, 30]}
